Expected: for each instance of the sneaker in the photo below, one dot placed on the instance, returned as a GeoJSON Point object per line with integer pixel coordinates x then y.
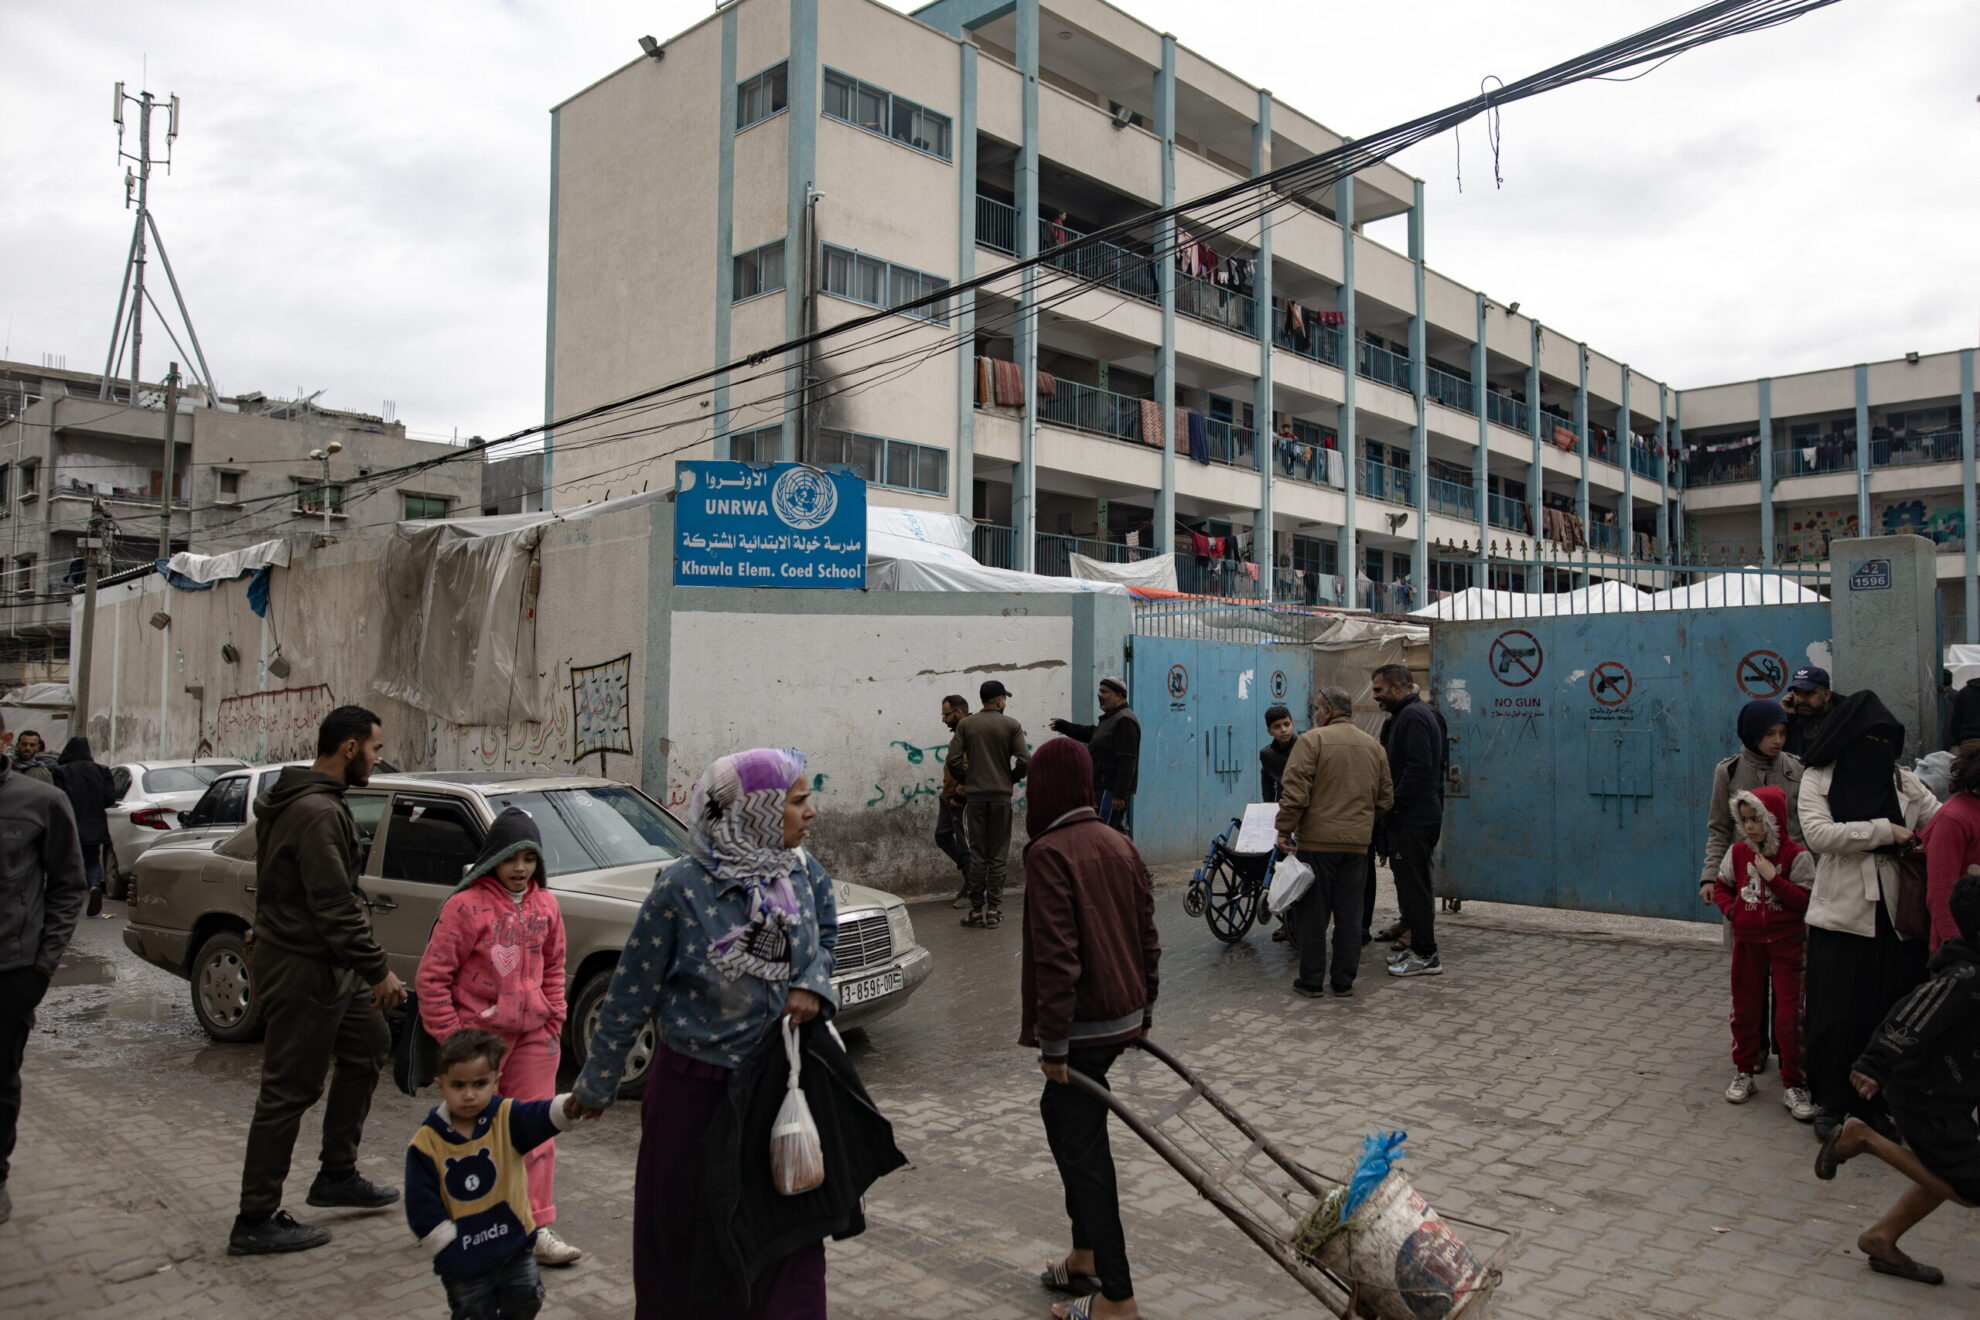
{"type": "Point", "coordinates": [553, 1250]}
{"type": "Point", "coordinates": [1411, 965]}
{"type": "Point", "coordinates": [1740, 1089]}
{"type": "Point", "coordinates": [1801, 1104]}
{"type": "Point", "coordinates": [95, 901]}
{"type": "Point", "coordinates": [1343, 992]}
{"type": "Point", "coordinates": [278, 1233]}
{"type": "Point", "coordinates": [1394, 956]}
{"type": "Point", "coordinates": [1309, 991]}
{"type": "Point", "coordinates": [352, 1191]}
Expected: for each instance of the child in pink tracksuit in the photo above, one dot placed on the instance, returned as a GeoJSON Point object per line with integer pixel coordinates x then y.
{"type": "Point", "coordinates": [495, 960]}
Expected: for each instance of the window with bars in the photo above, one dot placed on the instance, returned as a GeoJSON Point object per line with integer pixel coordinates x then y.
{"type": "Point", "coordinates": [879, 111]}
{"type": "Point", "coordinates": [762, 96]}
{"type": "Point", "coordinates": [897, 463]}
{"type": "Point", "coordinates": [760, 270]}
{"type": "Point", "coordinates": [310, 496]}
{"type": "Point", "coordinates": [23, 575]}
{"type": "Point", "coordinates": [423, 506]}
{"type": "Point", "coordinates": [759, 446]}
{"type": "Point", "coordinates": [879, 283]}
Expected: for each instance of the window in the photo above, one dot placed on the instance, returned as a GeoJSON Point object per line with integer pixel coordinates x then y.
{"type": "Point", "coordinates": [30, 480]}
{"type": "Point", "coordinates": [897, 463]}
{"type": "Point", "coordinates": [598, 828]}
{"type": "Point", "coordinates": [431, 841]}
{"type": "Point", "coordinates": [878, 283]}
{"type": "Point", "coordinates": [223, 804]}
{"type": "Point", "coordinates": [762, 96]}
{"type": "Point", "coordinates": [230, 485]}
{"type": "Point", "coordinates": [759, 446]}
{"type": "Point", "coordinates": [309, 496]}
{"type": "Point", "coordinates": [6, 487]}
{"type": "Point", "coordinates": [23, 575]}
{"type": "Point", "coordinates": [760, 270]}
{"type": "Point", "coordinates": [865, 106]}
{"type": "Point", "coordinates": [424, 506]}
{"type": "Point", "coordinates": [185, 778]}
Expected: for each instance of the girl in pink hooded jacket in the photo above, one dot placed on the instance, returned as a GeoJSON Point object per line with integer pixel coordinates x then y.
{"type": "Point", "coordinates": [495, 960]}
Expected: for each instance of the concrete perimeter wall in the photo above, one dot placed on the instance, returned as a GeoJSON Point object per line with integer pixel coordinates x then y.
{"type": "Point", "coordinates": [853, 679]}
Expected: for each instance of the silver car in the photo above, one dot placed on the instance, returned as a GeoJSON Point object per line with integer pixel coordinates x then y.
{"type": "Point", "coordinates": [192, 902]}
{"type": "Point", "coordinates": [150, 796]}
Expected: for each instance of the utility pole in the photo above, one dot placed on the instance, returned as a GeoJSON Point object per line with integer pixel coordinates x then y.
{"type": "Point", "coordinates": [171, 460]}
{"type": "Point", "coordinates": [132, 294]}
{"type": "Point", "coordinates": [85, 653]}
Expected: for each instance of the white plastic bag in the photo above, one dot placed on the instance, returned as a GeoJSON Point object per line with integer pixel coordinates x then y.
{"type": "Point", "coordinates": [1290, 881]}
{"type": "Point", "coordinates": [797, 1160]}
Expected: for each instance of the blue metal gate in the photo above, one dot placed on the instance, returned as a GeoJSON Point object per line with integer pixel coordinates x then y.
{"type": "Point", "coordinates": [1202, 708]}
{"type": "Point", "coordinates": [1583, 746]}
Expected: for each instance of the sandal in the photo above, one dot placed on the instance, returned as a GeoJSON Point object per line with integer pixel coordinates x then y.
{"type": "Point", "coordinates": [1395, 931]}
{"type": "Point", "coordinates": [1079, 1309]}
{"type": "Point", "coordinates": [1061, 1280]}
{"type": "Point", "coordinates": [992, 918]}
{"type": "Point", "coordinates": [1829, 1159]}
{"type": "Point", "coordinates": [975, 919]}
{"type": "Point", "coordinates": [1904, 1267]}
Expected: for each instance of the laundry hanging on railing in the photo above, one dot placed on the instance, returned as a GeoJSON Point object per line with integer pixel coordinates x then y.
{"type": "Point", "coordinates": [1151, 423]}
{"type": "Point", "coordinates": [1563, 437]}
{"type": "Point", "coordinates": [1199, 437]}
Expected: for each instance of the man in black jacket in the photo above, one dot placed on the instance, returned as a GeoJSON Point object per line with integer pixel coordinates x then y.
{"type": "Point", "coordinates": [91, 790]}
{"type": "Point", "coordinates": [1808, 701]}
{"type": "Point", "coordinates": [41, 892]}
{"type": "Point", "coordinates": [1413, 737]}
{"type": "Point", "coordinates": [1115, 746]}
{"type": "Point", "coordinates": [321, 980]}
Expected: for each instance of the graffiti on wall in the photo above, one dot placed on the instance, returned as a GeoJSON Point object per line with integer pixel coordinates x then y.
{"type": "Point", "coordinates": [1935, 521]}
{"type": "Point", "coordinates": [601, 709]}
{"type": "Point", "coordinates": [271, 726]}
{"type": "Point", "coordinates": [1940, 519]}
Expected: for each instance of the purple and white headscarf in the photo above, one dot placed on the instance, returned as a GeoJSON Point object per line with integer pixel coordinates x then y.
{"type": "Point", "coordinates": [736, 832]}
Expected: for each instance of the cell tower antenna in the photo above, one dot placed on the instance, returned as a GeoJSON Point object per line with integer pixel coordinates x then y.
{"type": "Point", "coordinates": [128, 329]}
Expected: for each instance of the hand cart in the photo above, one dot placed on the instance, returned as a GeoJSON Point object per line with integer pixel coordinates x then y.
{"type": "Point", "coordinates": [1269, 1198]}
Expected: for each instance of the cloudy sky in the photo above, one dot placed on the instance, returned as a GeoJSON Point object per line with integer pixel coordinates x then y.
{"type": "Point", "coordinates": [359, 199]}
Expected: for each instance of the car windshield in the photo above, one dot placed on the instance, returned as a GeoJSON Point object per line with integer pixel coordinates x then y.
{"type": "Point", "coordinates": [186, 778]}
{"type": "Point", "coordinates": [589, 829]}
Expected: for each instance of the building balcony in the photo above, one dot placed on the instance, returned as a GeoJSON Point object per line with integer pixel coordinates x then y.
{"type": "Point", "coordinates": [1378, 364]}
{"type": "Point", "coordinates": [1317, 342]}
{"type": "Point", "coordinates": [1450, 498]}
{"type": "Point", "coordinates": [1935, 447]}
{"type": "Point", "coordinates": [1507, 411]}
{"type": "Point", "coordinates": [1382, 482]}
{"type": "Point", "coordinates": [1451, 391]}
{"type": "Point", "coordinates": [1505, 512]}
{"type": "Point", "coordinates": [1095, 411]}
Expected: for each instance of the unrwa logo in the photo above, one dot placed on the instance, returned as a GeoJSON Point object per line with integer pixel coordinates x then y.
{"type": "Point", "coordinates": [804, 499]}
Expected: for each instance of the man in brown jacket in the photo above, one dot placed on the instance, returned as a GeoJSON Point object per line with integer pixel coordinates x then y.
{"type": "Point", "coordinates": [321, 980]}
{"type": "Point", "coordinates": [1088, 990]}
{"type": "Point", "coordinates": [1336, 784]}
{"type": "Point", "coordinates": [990, 747]}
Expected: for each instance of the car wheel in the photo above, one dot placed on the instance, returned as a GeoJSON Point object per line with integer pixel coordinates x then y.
{"type": "Point", "coordinates": [583, 1024]}
{"type": "Point", "coordinates": [221, 997]}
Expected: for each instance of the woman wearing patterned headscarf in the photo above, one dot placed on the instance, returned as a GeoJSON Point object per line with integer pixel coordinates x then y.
{"type": "Point", "coordinates": [733, 936]}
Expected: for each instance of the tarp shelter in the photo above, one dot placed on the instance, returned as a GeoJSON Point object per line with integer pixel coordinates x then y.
{"type": "Point", "coordinates": [907, 550]}
{"type": "Point", "coordinates": [1156, 571]}
{"type": "Point", "coordinates": [1747, 587]}
{"type": "Point", "coordinates": [1347, 650]}
{"type": "Point", "coordinates": [457, 630]}
{"type": "Point", "coordinates": [190, 572]}
{"type": "Point", "coordinates": [44, 707]}
{"type": "Point", "coordinates": [1964, 661]}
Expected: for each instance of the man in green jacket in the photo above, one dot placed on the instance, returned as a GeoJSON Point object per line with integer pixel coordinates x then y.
{"type": "Point", "coordinates": [321, 980]}
{"type": "Point", "coordinates": [990, 744]}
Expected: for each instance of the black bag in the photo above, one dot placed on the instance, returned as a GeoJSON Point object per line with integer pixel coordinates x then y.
{"type": "Point", "coordinates": [415, 1054]}
{"type": "Point", "coordinates": [1913, 918]}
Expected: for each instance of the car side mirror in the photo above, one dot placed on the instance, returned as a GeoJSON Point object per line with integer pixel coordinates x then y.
{"type": "Point", "coordinates": [185, 818]}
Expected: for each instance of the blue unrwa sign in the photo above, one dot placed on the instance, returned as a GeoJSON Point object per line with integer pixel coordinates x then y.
{"type": "Point", "coordinates": [780, 525]}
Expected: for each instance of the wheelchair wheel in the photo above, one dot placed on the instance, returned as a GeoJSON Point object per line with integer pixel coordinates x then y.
{"type": "Point", "coordinates": [1231, 901]}
{"type": "Point", "coordinates": [1193, 900]}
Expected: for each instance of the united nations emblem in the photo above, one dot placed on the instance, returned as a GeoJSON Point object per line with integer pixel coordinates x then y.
{"type": "Point", "coordinates": [804, 499]}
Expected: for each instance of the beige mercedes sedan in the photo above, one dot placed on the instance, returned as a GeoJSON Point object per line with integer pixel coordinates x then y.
{"type": "Point", "coordinates": [192, 899]}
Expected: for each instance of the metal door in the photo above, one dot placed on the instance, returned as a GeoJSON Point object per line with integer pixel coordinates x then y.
{"type": "Point", "coordinates": [1583, 747]}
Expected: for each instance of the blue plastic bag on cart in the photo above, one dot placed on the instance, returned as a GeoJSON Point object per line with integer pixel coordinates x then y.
{"type": "Point", "coordinates": [1379, 1151]}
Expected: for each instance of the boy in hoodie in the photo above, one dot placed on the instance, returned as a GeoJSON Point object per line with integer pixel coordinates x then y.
{"type": "Point", "coordinates": [467, 1182]}
{"type": "Point", "coordinates": [1921, 1060]}
{"type": "Point", "coordinates": [91, 790]}
{"type": "Point", "coordinates": [495, 961]}
{"type": "Point", "coordinates": [1762, 888]}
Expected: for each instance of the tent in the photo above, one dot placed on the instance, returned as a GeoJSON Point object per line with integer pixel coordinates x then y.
{"type": "Point", "coordinates": [1157, 571]}
{"type": "Point", "coordinates": [907, 550]}
{"type": "Point", "coordinates": [1749, 586]}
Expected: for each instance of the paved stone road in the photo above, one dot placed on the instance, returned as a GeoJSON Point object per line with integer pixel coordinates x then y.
{"type": "Point", "coordinates": [1561, 1081]}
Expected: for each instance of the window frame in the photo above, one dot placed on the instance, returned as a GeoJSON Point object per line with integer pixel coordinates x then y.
{"type": "Point", "coordinates": [756, 256]}
{"type": "Point", "coordinates": [889, 108]}
{"type": "Point", "coordinates": [306, 486]}
{"type": "Point", "coordinates": [863, 268]}
{"type": "Point", "coordinates": [763, 78]}
{"type": "Point", "coordinates": [754, 436]}
{"type": "Point", "coordinates": [883, 451]}
{"type": "Point", "coordinates": [406, 499]}
{"type": "Point", "coordinates": [422, 800]}
{"type": "Point", "coordinates": [221, 476]}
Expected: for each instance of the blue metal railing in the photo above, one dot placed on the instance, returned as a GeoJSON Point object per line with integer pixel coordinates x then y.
{"type": "Point", "coordinates": [1052, 553]}
{"type": "Point", "coordinates": [1451, 391]}
{"type": "Point", "coordinates": [993, 545]}
{"type": "Point", "coordinates": [1504, 511]}
{"type": "Point", "coordinates": [1086, 408]}
{"type": "Point", "coordinates": [1217, 305]}
{"type": "Point", "coordinates": [1383, 482]}
{"type": "Point", "coordinates": [1303, 460]}
{"type": "Point", "coordinates": [1506, 411]}
{"type": "Point", "coordinates": [996, 225]}
{"type": "Point", "coordinates": [1379, 364]}
{"type": "Point", "coordinates": [1450, 497]}
{"type": "Point", "coordinates": [1937, 447]}
{"type": "Point", "coordinates": [1233, 444]}
{"type": "Point", "coordinates": [1727, 470]}
{"type": "Point", "coordinates": [1602, 446]}
{"type": "Point", "coordinates": [1825, 455]}
{"type": "Point", "coordinates": [1604, 536]}
{"type": "Point", "coordinates": [1642, 462]}
{"type": "Point", "coordinates": [1321, 343]}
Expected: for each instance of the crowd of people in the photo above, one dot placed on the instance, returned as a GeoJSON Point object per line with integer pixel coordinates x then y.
{"type": "Point", "coordinates": [1850, 896]}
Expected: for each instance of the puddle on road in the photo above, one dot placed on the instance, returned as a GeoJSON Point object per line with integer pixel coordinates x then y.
{"type": "Point", "coordinates": [84, 969]}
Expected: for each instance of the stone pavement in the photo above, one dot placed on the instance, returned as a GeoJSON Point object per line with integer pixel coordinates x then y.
{"type": "Point", "coordinates": [1561, 1081]}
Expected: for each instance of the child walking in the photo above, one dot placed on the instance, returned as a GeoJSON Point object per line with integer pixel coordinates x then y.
{"type": "Point", "coordinates": [1763, 889]}
{"type": "Point", "coordinates": [495, 961]}
{"type": "Point", "coordinates": [467, 1182]}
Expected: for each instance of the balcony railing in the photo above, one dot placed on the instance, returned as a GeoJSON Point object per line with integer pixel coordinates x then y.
{"type": "Point", "coordinates": [1504, 511]}
{"type": "Point", "coordinates": [1321, 343]}
{"type": "Point", "coordinates": [1506, 411]}
{"type": "Point", "coordinates": [1809, 460]}
{"type": "Point", "coordinates": [994, 546]}
{"type": "Point", "coordinates": [1642, 462]}
{"type": "Point", "coordinates": [1606, 537]}
{"type": "Point", "coordinates": [1451, 498]}
{"type": "Point", "coordinates": [1745, 467]}
{"type": "Point", "coordinates": [1937, 447]}
{"type": "Point", "coordinates": [1383, 482]}
{"type": "Point", "coordinates": [1233, 444]}
{"type": "Point", "coordinates": [996, 225]}
{"type": "Point", "coordinates": [1217, 305]}
{"type": "Point", "coordinates": [1086, 408]}
{"type": "Point", "coordinates": [1116, 267]}
{"type": "Point", "coordinates": [1602, 446]}
{"type": "Point", "coordinates": [1451, 391]}
{"type": "Point", "coordinates": [1379, 364]}
{"type": "Point", "coordinates": [1052, 553]}
{"type": "Point", "coordinates": [1302, 460]}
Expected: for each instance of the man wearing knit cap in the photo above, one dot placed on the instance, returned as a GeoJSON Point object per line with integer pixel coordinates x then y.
{"type": "Point", "coordinates": [990, 746]}
{"type": "Point", "coordinates": [1115, 746]}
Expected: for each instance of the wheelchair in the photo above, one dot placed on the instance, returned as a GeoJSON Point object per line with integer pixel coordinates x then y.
{"type": "Point", "coordinates": [1228, 887]}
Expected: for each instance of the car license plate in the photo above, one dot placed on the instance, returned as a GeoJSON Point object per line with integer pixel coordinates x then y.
{"type": "Point", "coordinates": [871, 987]}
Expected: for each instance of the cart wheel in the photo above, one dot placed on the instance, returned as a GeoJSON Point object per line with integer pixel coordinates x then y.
{"type": "Point", "coordinates": [1193, 900]}
{"type": "Point", "coordinates": [1232, 902]}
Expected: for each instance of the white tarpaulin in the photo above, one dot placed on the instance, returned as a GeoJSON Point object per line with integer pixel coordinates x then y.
{"type": "Point", "coordinates": [1157, 571]}
{"type": "Point", "coordinates": [1964, 661]}
{"type": "Point", "coordinates": [949, 530]}
{"type": "Point", "coordinates": [233, 564]}
{"type": "Point", "coordinates": [931, 574]}
{"type": "Point", "coordinates": [1748, 587]}
{"type": "Point", "coordinates": [39, 696]}
{"type": "Point", "coordinates": [457, 634]}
